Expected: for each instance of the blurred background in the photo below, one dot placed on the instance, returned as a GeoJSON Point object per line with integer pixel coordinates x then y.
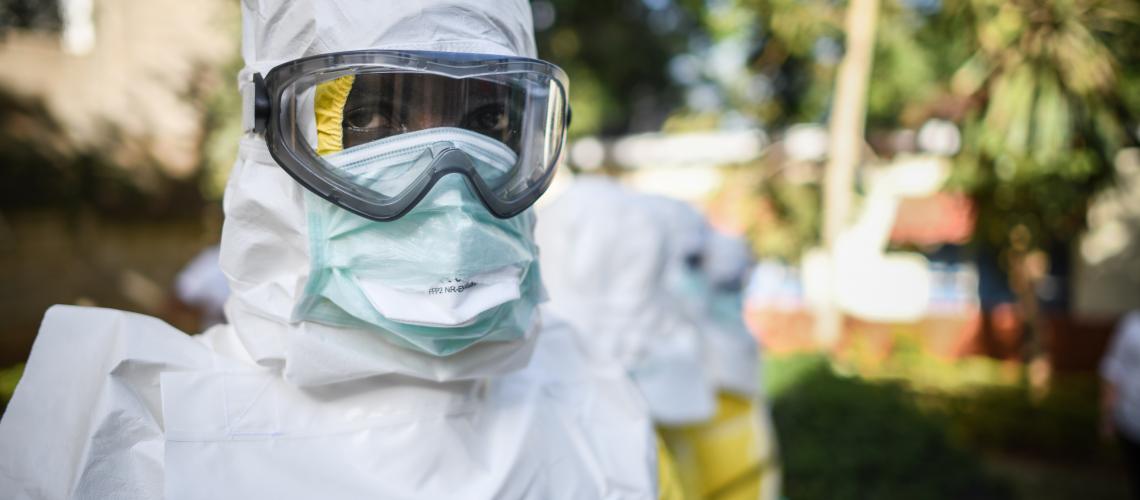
{"type": "Point", "coordinates": [943, 198]}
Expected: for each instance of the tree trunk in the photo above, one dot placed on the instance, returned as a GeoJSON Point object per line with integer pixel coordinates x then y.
{"type": "Point", "coordinates": [846, 146]}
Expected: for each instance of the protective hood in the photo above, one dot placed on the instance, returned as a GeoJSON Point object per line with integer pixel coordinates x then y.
{"type": "Point", "coordinates": [726, 264]}
{"type": "Point", "coordinates": [684, 235]}
{"type": "Point", "coordinates": [265, 251]}
{"type": "Point", "coordinates": [603, 257]}
{"type": "Point", "coordinates": [727, 260]}
{"type": "Point", "coordinates": [275, 31]}
{"type": "Point", "coordinates": [705, 272]}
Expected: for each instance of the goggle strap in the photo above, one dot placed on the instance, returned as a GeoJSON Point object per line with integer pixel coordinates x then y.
{"type": "Point", "coordinates": [254, 105]}
{"type": "Point", "coordinates": [248, 93]}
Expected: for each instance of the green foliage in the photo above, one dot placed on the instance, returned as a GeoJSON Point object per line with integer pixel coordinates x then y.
{"type": "Point", "coordinates": [781, 219]}
{"type": "Point", "coordinates": [803, 40]}
{"type": "Point", "coordinates": [1061, 424]}
{"type": "Point", "coordinates": [43, 167]}
{"type": "Point", "coordinates": [843, 438]}
{"type": "Point", "coordinates": [796, 219]}
{"type": "Point", "coordinates": [1050, 115]}
{"type": "Point", "coordinates": [986, 403]}
{"type": "Point", "coordinates": [909, 362]}
{"type": "Point", "coordinates": [1046, 92]}
{"type": "Point", "coordinates": [912, 425]}
{"type": "Point", "coordinates": [116, 171]}
{"type": "Point", "coordinates": [222, 132]}
{"type": "Point", "coordinates": [617, 56]}
{"type": "Point", "coordinates": [9, 377]}
{"type": "Point", "coordinates": [782, 374]}
{"type": "Point", "coordinates": [981, 403]}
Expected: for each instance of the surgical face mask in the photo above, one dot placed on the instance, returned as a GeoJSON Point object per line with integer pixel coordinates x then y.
{"type": "Point", "coordinates": [726, 307]}
{"type": "Point", "coordinates": [442, 277]}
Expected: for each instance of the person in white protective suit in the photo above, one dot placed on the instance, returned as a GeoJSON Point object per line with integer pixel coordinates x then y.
{"type": "Point", "coordinates": [733, 455]}
{"type": "Point", "coordinates": [604, 264]}
{"type": "Point", "coordinates": [614, 259]}
{"type": "Point", "coordinates": [385, 339]}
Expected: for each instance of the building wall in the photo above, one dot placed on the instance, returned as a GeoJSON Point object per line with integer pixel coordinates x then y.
{"type": "Point", "coordinates": [133, 88]}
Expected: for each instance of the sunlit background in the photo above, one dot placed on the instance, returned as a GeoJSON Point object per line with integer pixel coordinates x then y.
{"type": "Point", "coordinates": [943, 198]}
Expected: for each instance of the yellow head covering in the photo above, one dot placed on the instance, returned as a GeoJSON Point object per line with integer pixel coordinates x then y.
{"type": "Point", "coordinates": [328, 106]}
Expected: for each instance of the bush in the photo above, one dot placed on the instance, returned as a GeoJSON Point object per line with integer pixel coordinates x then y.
{"type": "Point", "coordinates": [1060, 425]}
{"type": "Point", "coordinates": [843, 438]}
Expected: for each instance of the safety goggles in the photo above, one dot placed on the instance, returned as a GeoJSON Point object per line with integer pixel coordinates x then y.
{"type": "Point", "coordinates": [372, 131]}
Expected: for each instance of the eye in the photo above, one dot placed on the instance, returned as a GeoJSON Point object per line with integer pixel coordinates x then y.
{"type": "Point", "coordinates": [367, 118]}
{"type": "Point", "coordinates": [491, 119]}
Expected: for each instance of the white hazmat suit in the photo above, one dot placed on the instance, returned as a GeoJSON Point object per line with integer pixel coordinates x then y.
{"type": "Point", "coordinates": [641, 276]}
{"type": "Point", "coordinates": [605, 264]}
{"type": "Point", "coordinates": [119, 405]}
{"type": "Point", "coordinates": [733, 456]}
{"type": "Point", "coordinates": [700, 260]}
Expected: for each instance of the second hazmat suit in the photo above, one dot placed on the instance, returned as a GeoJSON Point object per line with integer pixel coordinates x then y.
{"type": "Point", "coordinates": [345, 370]}
{"type": "Point", "coordinates": [605, 265]}
{"type": "Point", "coordinates": [733, 455]}
{"type": "Point", "coordinates": [634, 271]}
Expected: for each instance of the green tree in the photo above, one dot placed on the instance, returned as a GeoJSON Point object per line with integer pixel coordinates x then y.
{"type": "Point", "coordinates": [1046, 85]}
{"type": "Point", "coordinates": [800, 43]}
{"type": "Point", "coordinates": [1048, 111]}
{"type": "Point", "coordinates": [1045, 91]}
{"type": "Point", "coordinates": [617, 55]}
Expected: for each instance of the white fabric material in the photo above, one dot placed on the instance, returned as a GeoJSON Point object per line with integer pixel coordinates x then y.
{"type": "Point", "coordinates": [603, 260]}
{"type": "Point", "coordinates": [686, 230]}
{"type": "Point", "coordinates": [445, 309]}
{"type": "Point", "coordinates": [735, 360]}
{"type": "Point", "coordinates": [727, 259]}
{"type": "Point", "coordinates": [420, 268]}
{"type": "Point", "coordinates": [118, 405]}
{"type": "Point", "coordinates": [265, 253]}
{"type": "Point", "coordinates": [733, 357]}
{"type": "Point", "coordinates": [1121, 366]}
{"type": "Point", "coordinates": [264, 245]}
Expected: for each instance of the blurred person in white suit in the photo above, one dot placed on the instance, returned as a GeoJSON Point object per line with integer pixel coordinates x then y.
{"type": "Point", "coordinates": [733, 454]}
{"type": "Point", "coordinates": [620, 265]}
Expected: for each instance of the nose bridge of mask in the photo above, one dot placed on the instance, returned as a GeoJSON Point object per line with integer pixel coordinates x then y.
{"type": "Point", "coordinates": [388, 166]}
